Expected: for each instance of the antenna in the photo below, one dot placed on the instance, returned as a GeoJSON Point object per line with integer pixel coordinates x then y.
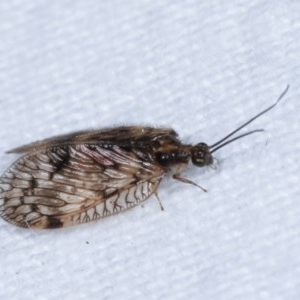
{"type": "Point", "coordinates": [219, 144]}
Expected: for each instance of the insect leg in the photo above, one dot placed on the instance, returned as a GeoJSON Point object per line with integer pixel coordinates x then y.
{"type": "Point", "coordinates": [160, 204]}
{"type": "Point", "coordinates": [184, 180]}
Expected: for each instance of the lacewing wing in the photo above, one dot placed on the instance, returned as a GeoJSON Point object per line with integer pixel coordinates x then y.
{"type": "Point", "coordinates": [85, 176]}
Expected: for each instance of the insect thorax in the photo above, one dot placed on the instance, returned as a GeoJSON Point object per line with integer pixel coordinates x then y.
{"type": "Point", "coordinates": [171, 153]}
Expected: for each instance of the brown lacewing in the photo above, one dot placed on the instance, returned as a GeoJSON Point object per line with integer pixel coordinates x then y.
{"type": "Point", "coordinates": [84, 176]}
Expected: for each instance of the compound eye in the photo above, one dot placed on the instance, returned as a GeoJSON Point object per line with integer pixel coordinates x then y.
{"type": "Point", "coordinates": [198, 159]}
{"type": "Point", "coordinates": [200, 155]}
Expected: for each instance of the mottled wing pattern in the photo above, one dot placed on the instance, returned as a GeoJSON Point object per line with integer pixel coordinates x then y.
{"type": "Point", "coordinates": [130, 135]}
{"type": "Point", "coordinates": [77, 183]}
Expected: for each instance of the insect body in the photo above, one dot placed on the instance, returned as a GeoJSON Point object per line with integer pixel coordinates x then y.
{"type": "Point", "coordinates": [84, 176]}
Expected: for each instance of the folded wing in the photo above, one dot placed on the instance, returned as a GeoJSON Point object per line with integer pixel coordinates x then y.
{"type": "Point", "coordinates": [72, 184]}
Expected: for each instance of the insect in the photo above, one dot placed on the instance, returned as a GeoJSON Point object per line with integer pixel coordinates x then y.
{"type": "Point", "coordinates": [84, 176]}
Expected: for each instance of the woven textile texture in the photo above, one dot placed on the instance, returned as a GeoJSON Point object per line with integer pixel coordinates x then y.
{"type": "Point", "coordinates": [200, 67]}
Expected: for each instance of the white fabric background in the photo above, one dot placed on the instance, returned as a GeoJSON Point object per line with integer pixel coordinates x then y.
{"type": "Point", "coordinates": [201, 67]}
